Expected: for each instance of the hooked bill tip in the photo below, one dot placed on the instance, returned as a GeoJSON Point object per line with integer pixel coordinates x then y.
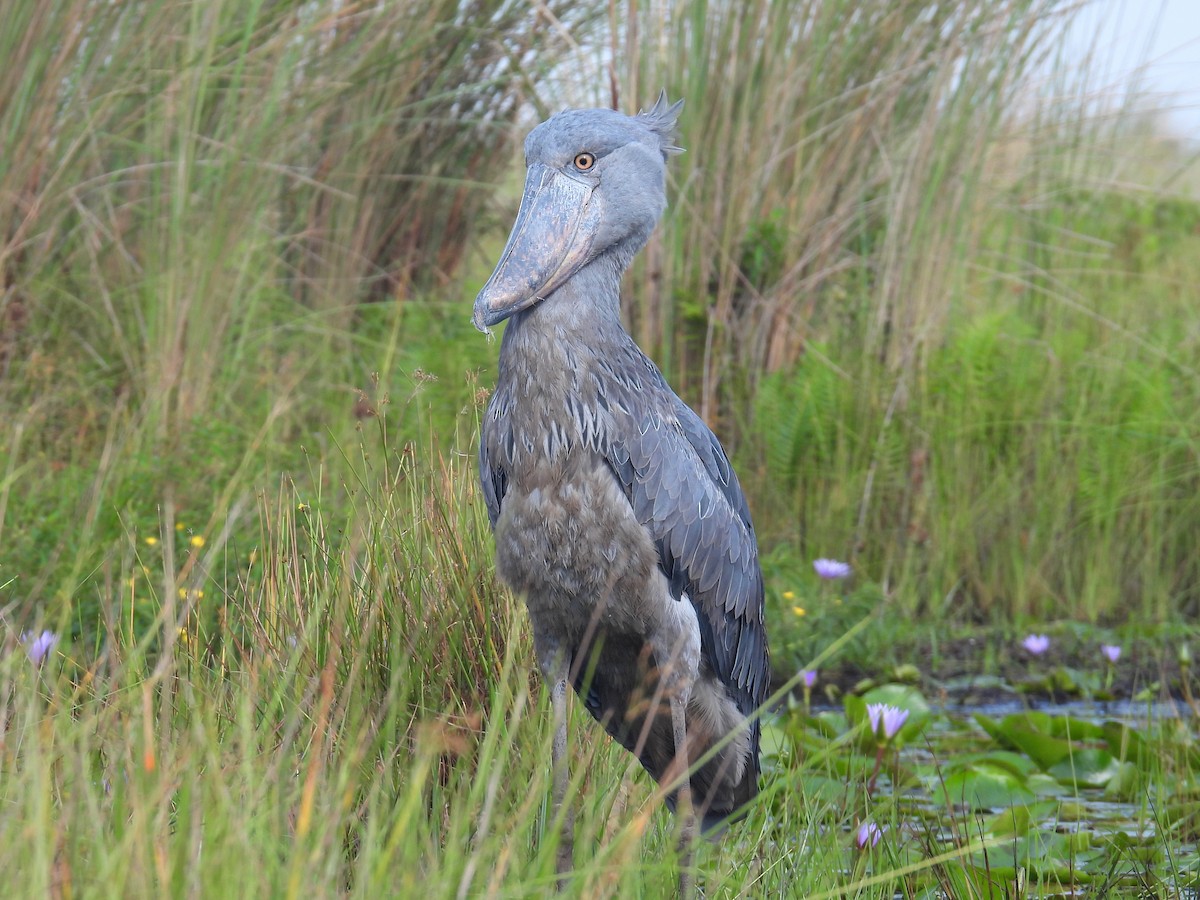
{"type": "Point", "coordinates": [480, 325]}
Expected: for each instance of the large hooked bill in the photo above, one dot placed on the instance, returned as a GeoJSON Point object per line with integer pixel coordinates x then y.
{"type": "Point", "coordinates": [550, 241]}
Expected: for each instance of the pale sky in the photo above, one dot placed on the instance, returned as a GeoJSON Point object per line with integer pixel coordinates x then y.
{"type": "Point", "coordinates": [1152, 46]}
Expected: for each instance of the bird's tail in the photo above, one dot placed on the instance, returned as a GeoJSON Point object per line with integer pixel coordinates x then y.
{"type": "Point", "coordinates": [722, 752]}
{"type": "Point", "coordinates": [722, 756]}
{"type": "Point", "coordinates": [725, 782]}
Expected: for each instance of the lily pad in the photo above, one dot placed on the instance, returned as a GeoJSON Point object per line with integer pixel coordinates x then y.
{"type": "Point", "coordinates": [1126, 744]}
{"type": "Point", "coordinates": [1045, 785]}
{"type": "Point", "coordinates": [904, 696]}
{"type": "Point", "coordinates": [1127, 784]}
{"type": "Point", "coordinates": [1074, 729]}
{"type": "Point", "coordinates": [1019, 765]}
{"type": "Point", "coordinates": [1017, 820]}
{"type": "Point", "coordinates": [984, 786]}
{"type": "Point", "coordinates": [1016, 733]}
{"type": "Point", "coordinates": [1086, 768]}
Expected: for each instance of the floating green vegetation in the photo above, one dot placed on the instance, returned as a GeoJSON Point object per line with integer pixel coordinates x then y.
{"type": "Point", "coordinates": [1067, 804]}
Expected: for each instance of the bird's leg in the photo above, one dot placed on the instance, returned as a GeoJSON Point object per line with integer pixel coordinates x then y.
{"type": "Point", "coordinates": [563, 814]}
{"type": "Point", "coordinates": [683, 800]}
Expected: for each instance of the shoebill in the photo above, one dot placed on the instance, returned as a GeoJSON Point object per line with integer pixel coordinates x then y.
{"type": "Point", "coordinates": [616, 513]}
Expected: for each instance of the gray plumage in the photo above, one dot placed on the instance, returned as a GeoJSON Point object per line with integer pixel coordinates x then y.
{"type": "Point", "coordinates": [616, 513]}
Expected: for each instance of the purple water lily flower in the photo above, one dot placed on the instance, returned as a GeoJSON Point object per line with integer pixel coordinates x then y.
{"type": "Point", "coordinates": [831, 568]}
{"type": "Point", "coordinates": [893, 721]}
{"type": "Point", "coordinates": [38, 646]}
{"type": "Point", "coordinates": [868, 835]}
{"type": "Point", "coordinates": [810, 678]}
{"type": "Point", "coordinates": [1112, 652]}
{"type": "Point", "coordinates": [1037, 644]}
{"type": "Point", "coordinates": [892, 717]}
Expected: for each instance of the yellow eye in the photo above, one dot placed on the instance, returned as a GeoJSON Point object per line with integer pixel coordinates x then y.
{"type": "Point", "coordinates": [584, 161]}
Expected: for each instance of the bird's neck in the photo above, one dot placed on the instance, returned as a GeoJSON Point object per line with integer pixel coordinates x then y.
{"type": "Point", "coordinates": [563, 355]}
{"type": "Point", "coordinates": [584, 310]}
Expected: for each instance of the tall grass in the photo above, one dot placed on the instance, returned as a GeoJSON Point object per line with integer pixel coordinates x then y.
{"type": "Point", "coordinates": [1038, 459]}
{"type": "Point", "coordinates": [197, 205]}
{"type": "Point", "coordinates": [196, 200]}
{"type": "Point", "coordinates": [908, 272]}
{"type": "Point", "coordinates": [178, 177]}
{"type": "Point", "coordinates": [358, 716]}
{"type": "Point", "coordinates": [834, 152]}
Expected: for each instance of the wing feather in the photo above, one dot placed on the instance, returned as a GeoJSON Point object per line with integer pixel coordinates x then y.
{"type": "Point", "coordinates": [684, 491]}
{"type": "Point", "coordinates": [499, 442]}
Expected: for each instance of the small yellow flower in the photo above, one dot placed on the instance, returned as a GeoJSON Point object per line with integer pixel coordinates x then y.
{"type": "Point", "coordinates": [789, 595]}
{"type": "Point", "coordinates": [183, 636]}
{"type": "Point", "coordinates": [179, 526]}
{"type": "Point", "coordinates": [183, 593]}
{"type": "Point", "coordinates": [196, 540]}
{"type": "Point", "coordinates": [301, 507]}
{"type": "Point", "coordinates": [152, 541]}
{"type": "Point", "coordinates": [799, 610]}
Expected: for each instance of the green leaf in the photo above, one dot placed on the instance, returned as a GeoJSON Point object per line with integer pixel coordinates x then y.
{"type": "Point", "coordinates": [1127, 784]}
{"type": "Point", "coordinates": [1044, 785]}
{"type": "Point", "coordinates": [1075, 729]}
{"type": "Point", "coordinates": [984, 786]}
{"type": "Point", "coordinates": [818, 788]}
{"type": "Point", "coordinates": [905, 696]}
{"type": "Point", "coordinates": [1086, 768]}
{"type": "Point", "coordinates": [1044, 750]}
{"type": "Point", "coordinates": [1127, 744]}
{"type": "Point", "coordinates": [1014, 820]}
{"type": "Point", "coordinates": [1019, 765]}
